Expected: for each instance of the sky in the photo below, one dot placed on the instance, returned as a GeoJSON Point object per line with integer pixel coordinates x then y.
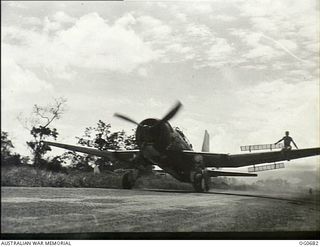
{"type": "Point", "coordinates": [246, 71]}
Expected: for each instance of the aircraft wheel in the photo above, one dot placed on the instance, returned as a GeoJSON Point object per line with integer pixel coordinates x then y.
{"type": "Point", "coordinates": [207, 187]}
{"type": "Point", "coordinates": [200, 184]}
{"type": "Point", "coordinates": [128, 181]}
{"type": "Point", "coordinates": [207, 182]}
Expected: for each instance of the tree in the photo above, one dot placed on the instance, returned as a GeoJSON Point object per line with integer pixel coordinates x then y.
{"type": "Point", "coordinates": [103, 138]}
{"type": "Point", "coordinates": [55, 164]}
{"type": "Point", "coordinates": [39, 125]}
{"type": "Point", "coordinates": [6, 144]}
{"type": "Point", "coordinates": [77, 161]}
{"type": "Point", "coordinates": [7, 158]}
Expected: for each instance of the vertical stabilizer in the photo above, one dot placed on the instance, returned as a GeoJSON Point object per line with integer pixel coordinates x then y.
{"type": "Point", "coordinates": [206, 144]}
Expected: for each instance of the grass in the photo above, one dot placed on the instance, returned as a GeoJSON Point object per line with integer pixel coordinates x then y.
{"type": "Point", "coordinates": [29, 176]}
{"type": "Point", "coordinates": [161, 182]}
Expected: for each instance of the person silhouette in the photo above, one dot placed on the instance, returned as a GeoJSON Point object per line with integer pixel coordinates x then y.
{"type": "Point", "coordinates": [287, 141]}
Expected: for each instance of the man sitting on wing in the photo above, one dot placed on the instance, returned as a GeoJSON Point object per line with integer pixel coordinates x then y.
{"type": "Point", "coordinates": [287, 141]}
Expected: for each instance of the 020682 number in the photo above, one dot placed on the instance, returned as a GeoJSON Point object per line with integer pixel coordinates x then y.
{"type": "Point", "coordinates": [310, 242]}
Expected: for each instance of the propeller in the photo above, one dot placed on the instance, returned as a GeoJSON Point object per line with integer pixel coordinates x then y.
{"type": "Point", "coordinates": [172, 112]}
{"type": "Point", "coordinates": [166, 118]}
{"type": "Point", "coordinates": [125, 118]}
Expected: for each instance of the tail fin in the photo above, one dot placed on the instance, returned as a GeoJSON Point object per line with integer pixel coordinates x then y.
{"type": "Point", "coordinates": [206, 144]}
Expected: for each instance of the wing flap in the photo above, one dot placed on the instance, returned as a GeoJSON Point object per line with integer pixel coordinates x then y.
{"type": "Point", "coordinates": [230, 174]}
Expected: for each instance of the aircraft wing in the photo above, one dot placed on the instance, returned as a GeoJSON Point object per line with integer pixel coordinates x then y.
{"type": "Point", "coordinates": [113, 155]}
{"type": "Point", "coordinates": [239, 160]}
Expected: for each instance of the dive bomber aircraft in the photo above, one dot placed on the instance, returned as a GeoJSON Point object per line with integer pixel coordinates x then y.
{"type": "Point", "coordinates": [160, 144]}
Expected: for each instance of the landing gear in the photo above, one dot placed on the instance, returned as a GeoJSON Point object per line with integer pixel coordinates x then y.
{"type": "Point", "coordinates": [128, 180]}
{"type": "Point", "coordinates": [201, 182]}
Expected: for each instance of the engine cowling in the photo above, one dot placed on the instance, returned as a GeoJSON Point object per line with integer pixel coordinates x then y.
{"type": "Point", "coordinates": [154, 132]}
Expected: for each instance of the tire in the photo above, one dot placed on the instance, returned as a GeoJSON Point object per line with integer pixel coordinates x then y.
{"type": "Point", "coordinates": [200, 183]}
{"type": "Point", "coordinates": [128, 181]}
{"type": "Point", "coordinates": [207, 187]}
{"type": "Point", "coordinates": [207, 182]}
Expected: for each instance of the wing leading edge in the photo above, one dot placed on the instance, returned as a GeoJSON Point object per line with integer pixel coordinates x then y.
{"type": "Point", "coordinates": [113, 155]}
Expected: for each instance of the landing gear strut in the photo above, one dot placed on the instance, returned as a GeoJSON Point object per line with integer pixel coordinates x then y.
{"type": "Point", "coordinates": [201, 182]}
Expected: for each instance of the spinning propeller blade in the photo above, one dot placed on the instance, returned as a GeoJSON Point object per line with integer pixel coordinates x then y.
{"type": "Point", "coordinates": [172, 112]}
{"type": "Point", "coordinates": [166, 118]}
{"type": "Point", "coordinates": [125, 118]}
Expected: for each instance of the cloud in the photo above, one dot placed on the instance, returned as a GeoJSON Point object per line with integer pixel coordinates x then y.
{"type": "Point", "coordinates": [261, 48]}
{"type": "Point", "coordinates": [154, 29]}
{"type": "Point", "coordinates": [284, 44]}
{"type": "Point", "coordinates": [17, 79]}
{"type": "Point", "coordinates": [279, 105]}
{"type": "Point", "coordinates": [238, 115]}
{"type": "Point", "coordinates": [89, 43]}
{"type": "Point", "coordinates": [126, 20]}
{"type": "Point", "coordinates": [271, 8]}
{"type": "Point", "coordinates": [168, 43]}
{"type": "Point", "coordinates": [283, 19]}
{"type": "Point", "coordinates": [58, 21]}
{"type": "Point", "coordinates": [220, 52]}
{"type": "Point", "coordinates": [288, 44]}
{"type": "Point", "coordinates": [264, 24]}
{"type": "Point", "coordinates": [204, 8]}
{"type": "Point", "coordinates": [118, 52]}
{"type": "Point", "coordinates": [279, 30]}
{"type": "Point", "coordinates": [20, 83]}
{"type": "Point", "coordinates": [176, 52]}
{"type": "Point", "coordinates": [62, 17]}
{"type": "Point", "coordinates": [263, 52]}
{"type": "Point", "coordinates": [92, 43]}
{"type": "Point", "coordinates": [31, 20]}
{"type": "Point", "coordinates": [49, 25]}
{"type": "Point", "coordinates": [16, 4]}
{"type": "Point", "coordinates": [20, 89]}
{"type": "Point", "coordinates": [198, 31]}
{"type": "Point", "coordinates": [225, 18]}
{"type": "Point", "coordinates": [181, 16]}
{"type": "Point", "coordinates": [142, 72]}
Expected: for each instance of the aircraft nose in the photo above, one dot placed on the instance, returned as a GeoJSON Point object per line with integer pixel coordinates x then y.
{"type": "Point", "coordinates": [148, 134]}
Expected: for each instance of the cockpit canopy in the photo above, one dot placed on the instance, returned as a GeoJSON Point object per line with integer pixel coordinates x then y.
{"type": "Point", "coordinates": [183, 136]}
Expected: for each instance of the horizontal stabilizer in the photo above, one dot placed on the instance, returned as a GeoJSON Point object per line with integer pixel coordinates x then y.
{"type": "Point", "coordinates": [230, 174]}
{"type": "Point", "coordinates": [262, 168]}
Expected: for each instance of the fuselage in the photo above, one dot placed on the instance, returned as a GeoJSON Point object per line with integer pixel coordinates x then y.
{"type": "Point", "coordinates": [156, 139]}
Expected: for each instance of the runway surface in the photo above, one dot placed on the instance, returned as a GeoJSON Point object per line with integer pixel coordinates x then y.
{"type": "Point", "coordinates": [76, 210]}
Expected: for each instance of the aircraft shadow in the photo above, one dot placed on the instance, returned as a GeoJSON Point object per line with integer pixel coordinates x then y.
{"type": "Point", "coordinates": [295, 201]}
{"type": "Point", "coordinates": [169, 191]}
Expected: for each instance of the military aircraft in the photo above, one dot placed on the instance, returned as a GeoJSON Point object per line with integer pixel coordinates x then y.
{"type": "Point", "coordinates": [160, 144]}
